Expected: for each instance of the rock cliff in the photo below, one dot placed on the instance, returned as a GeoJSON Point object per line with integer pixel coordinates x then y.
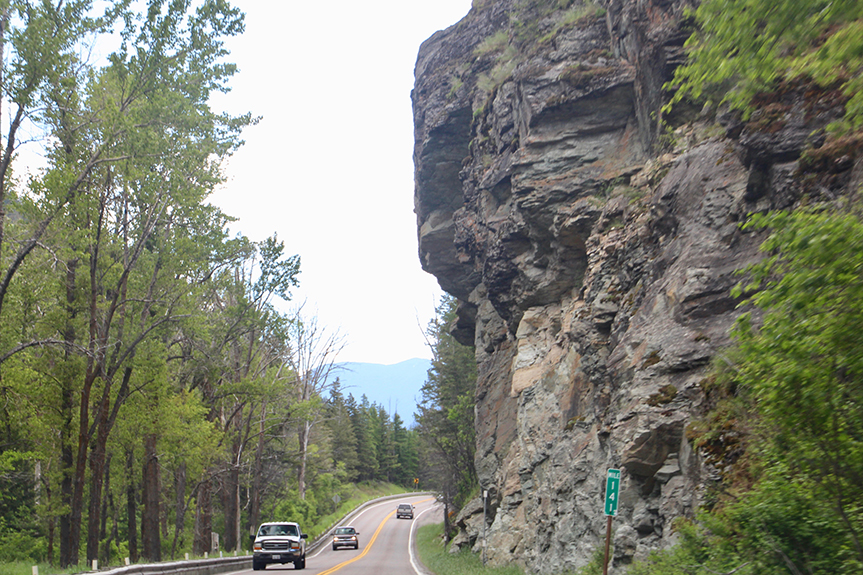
{"type": "Point", "coordinates": [593, 251]}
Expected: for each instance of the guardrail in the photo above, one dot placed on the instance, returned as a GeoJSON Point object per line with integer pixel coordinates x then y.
{"type": "Point", "coordinates": [216, 565]}
{"type": "Point", "coordinates": [190, 567]}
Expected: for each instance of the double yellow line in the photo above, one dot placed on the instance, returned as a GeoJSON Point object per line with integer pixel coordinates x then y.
{"type": "Point", "coordinates": [367, 547]}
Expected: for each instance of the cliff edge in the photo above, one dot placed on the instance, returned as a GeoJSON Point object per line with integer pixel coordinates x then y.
{"type": "Point", "coordinates": [592, 250]}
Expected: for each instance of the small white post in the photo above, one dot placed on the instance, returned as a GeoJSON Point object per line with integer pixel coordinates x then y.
{"type": "Point", "coordinates": [127, 561]}
{"type": "Point", "coordinates": [35, 570]}
{"type": "Point", "coordinates": [95, 564]}
{"type": "Point", "coordinates": [206, 554]}
{"type": "Point", "coordinates": [187, 556]}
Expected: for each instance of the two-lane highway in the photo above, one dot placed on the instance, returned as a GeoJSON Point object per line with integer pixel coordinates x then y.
{"type": "Point", "coordinates": [384, 542]}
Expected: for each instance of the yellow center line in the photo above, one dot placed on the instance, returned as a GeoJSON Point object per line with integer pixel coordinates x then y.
{"type": "Point", "coordinates": [368, 546]}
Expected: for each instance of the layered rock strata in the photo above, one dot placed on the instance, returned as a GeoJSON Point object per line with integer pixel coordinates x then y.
{"type": "Point", "coordinates": [593, 254]}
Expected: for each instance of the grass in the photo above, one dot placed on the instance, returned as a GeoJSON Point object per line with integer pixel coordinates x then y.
{"type": "Point", "coordinates": [26, 568]}
{"type": "Point", "coordinates": [441, 562]}
{"type": "Point", "coordinates": [497, 42]}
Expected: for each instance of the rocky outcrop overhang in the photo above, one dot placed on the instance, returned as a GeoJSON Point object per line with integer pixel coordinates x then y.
{"type": "Point", "coordinates": [593, 257]}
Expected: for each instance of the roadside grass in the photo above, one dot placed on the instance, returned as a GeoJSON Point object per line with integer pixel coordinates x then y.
{"type": "Point", "coordinates": [26, 568]}
{"type": "Point", "coordinates": [357, 495]}
{"type": "Point", "coordinates": [440, 561]}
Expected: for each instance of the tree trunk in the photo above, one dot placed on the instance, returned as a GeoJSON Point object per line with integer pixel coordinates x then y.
{"type": "Point", "coordinates": [257, 471]}
{"type": "Point", "coordinates": [94, 515]}
{"type": "Point", "coordinates": [179, 504]}
{"type": "Point", "coordinates": [305, 430]}
{"type": "Point", "coordinates": [103, 516]}
{"type": "Point", "coordinates": [109, 510]}
{"type": "Point", "coordinates": [80, 470]}
{"type": "Point", "coordinates": [230, 505]}
{"type": "Point", "coordinates": [203, 519]}
{"type": "Point", "coordinates": [131, 507]}
{"type": "Point", "coordinates": [51, 523]}
{"type": "Point", "coordinates": [68, 553]}
{"type": "Point", "coordinates": [66, 465]}
{"type": "Point", "coordinates": [150, 537]}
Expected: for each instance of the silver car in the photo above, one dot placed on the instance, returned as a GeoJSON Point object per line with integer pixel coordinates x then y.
{"type": "Point", "coordinates": [345, 536]}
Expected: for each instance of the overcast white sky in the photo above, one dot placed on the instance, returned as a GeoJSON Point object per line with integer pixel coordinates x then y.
{"type": "Point", "coordinates": [329, 167]}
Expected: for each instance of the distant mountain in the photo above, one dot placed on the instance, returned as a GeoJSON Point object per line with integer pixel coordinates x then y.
{"type": "Point", "coordinates": [396, 387]}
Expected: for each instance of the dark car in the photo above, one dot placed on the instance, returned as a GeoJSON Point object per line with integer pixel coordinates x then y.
{"type": "Point", "coordinates": [405, 510]}
{"type": "Point", "coordinates": [345, 536]}
{"type": "Point", "coordinates": [279, 542]}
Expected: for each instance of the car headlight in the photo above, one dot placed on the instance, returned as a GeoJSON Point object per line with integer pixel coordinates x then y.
{"type": "Point", "coordinates": [258, 547]}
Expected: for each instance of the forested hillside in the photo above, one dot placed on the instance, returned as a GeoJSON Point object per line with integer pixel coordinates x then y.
{"type": "Point", "coordinates": [153, 391]}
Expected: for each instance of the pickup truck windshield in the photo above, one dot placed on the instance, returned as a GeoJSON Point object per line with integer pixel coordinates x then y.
{"type": "Point", "coordinates": [278, 530]}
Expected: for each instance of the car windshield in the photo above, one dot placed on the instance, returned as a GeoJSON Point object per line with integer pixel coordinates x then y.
{"type": "Point", "coordinates": [278, 530]}
{"type": "Point", "coordinates": [344, 531]}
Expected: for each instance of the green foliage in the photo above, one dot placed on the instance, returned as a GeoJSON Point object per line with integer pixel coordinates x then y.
{"type": "Point", "coordinates": [495, 43]}
{"type": "Point", "coordinates": [501, 72]}
{"type": "Point", "coordinates": [804, 362]}
{"type": "Point", "coordinates": [703, 548]}
{"type": "Point", "coordinates": [352, 496]}
{"type": "Point", "coordinates": [797, 368]}
{"type": "Point", "coordinates": [781, 526]}
{"type": "Point", "coordinates": [597, 560]}
{"type": "Point", "coordinates": [580, 14]}
{"type": "Point", "coordinates": [446, 412]}
{"type": "Point", "coordinates": [743, 47]}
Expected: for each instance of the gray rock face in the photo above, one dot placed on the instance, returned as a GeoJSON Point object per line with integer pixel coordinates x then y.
{"type": "Point", "coordinates": [593, 272]}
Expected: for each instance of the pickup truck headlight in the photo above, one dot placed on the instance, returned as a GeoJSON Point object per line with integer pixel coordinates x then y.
{"type": "Point", "coordinates": [258, 547]}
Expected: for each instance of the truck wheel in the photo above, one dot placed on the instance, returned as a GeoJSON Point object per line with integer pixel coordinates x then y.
{"type": "Point", "coordinates": [300, 563]}
{"type": "Point", "coordinates": [257, 566]}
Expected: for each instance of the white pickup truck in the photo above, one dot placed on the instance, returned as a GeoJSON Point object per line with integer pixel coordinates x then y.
{"type": "Point", "coordinates": [279, 542]}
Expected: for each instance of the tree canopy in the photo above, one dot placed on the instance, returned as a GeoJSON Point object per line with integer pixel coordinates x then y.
{"type": "Point", "coordinates": [791, 502]}
{"type": "Point", "coordinates": [153, 389]}
{"type": "Point", "coordinates": [742, 47]}
{"type": "Point", "coordinates": [446, 411]}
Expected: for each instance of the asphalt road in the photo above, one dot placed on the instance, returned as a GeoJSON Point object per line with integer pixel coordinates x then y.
{"type": "Point", "coordinates": [385, 542]}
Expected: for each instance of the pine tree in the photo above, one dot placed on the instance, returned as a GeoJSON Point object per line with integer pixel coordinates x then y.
{"type": "Point", "coordinates": [343, 439]}
{"type": "Point", "coordinates": [446, 412]}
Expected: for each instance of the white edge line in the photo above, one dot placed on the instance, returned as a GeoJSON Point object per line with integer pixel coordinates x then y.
{"type": "Point", "coordinates": [411, 538]}
{"type": "Point", "coordinates": [354, 518]}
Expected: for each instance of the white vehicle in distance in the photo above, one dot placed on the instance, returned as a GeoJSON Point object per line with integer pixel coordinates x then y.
{"type": "Point", "coordinates": [279, 542]}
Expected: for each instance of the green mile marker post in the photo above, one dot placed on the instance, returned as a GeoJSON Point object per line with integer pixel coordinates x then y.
{"type": "Point", "coordinates": [612, 491]}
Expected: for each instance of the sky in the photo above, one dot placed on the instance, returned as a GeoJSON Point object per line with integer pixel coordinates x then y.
{"type": "Point", "coordinates": [329, 167]}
